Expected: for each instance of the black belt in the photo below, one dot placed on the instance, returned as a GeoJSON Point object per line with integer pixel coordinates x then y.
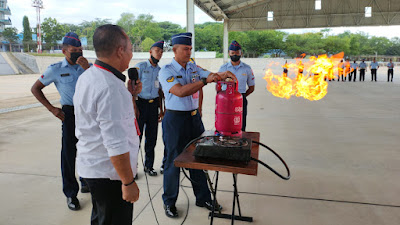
{"type": "Point", "coordinates": [192, 112]}
{"type": "Point", "coordinates": [148, 100]}
{"type": "Point", "coordinates": [70, 107]}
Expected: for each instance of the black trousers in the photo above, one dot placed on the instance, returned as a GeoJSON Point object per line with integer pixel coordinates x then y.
{"type": "Point", "coordinates": [373, 74]}
{"type": "Point", "coordinates": [390, 74]}
{"type": "Point", "coordinates": [108, 206]}
{"type": "Point", "coordinates": [244, 119]}
{"type": "Point", "coordinates": [68, 153]}
{"type": "Point", "coordinates": [148, 124]}
{"type": "Point", "coordinates": [354, 72]}
{"type": "Point", "coordinates": [362, 74]}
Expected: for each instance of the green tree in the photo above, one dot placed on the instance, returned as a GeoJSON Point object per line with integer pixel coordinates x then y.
{"type": "Point", "coordinates": [52, 32]}
{"type": "Point", "coordinates": [146, 44]}
{"type": "Point", "coordinates": [335, 44]}
{"type": "Point", "coordinates": [89, 27]}
{"type": "Point", "coordinates": [168, 29]}
{"type": "Point", "coordinates": [394, 48]}
{"type": "Point", "coordinates": [209, 37]}
{"type": "Point", "coordinates": [379, 44]}
{"type": "Point", "coordinates": [27, 40]}
{"type": "Point", "coordinates": [10, 35]}
{"type": "Point", "coordinates": [144, 27]}
{"type": "Point", "coordinates": [126, 21]}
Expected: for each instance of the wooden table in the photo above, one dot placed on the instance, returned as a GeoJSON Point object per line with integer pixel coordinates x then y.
{"type": "Point", "coordinates": [187, 160]}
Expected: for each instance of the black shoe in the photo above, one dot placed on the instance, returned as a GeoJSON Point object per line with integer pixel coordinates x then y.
{"type": "Point", "coordinates": [209, 206]}
{"type": "Point", "coordinates": [171, 211]}
{"type": "Point", "coordinates": [73, 203]}
{"type": "Point", "coordinates": [151, 171]}
{"type": "Point", "coordinates": [162, 169]}
{"type": "Point", "coordinates": [85, 189]}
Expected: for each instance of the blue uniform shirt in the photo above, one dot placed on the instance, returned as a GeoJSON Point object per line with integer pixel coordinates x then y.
{"type": "Point", "coordinates": [243, 73]}
{"type": "Point", "coordinates": [390, 65]}
{"type": "Point", "coordinates": [374, 65]}
{"type": "Point", "coordinates": [174, 73]}
{"type": "Point", "coordinates": [148, 75]}
{"type": "Point", "coordinates": [64, 77]}
{"type": "Point", "coordinates": [363, 65]}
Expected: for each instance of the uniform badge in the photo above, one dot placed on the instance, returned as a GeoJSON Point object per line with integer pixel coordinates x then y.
{"type": "Point", "coordinates": [42, 76]}
{"type": "Point", "coordinates": [170, 79]}
{"type": "Point", "coordinates": [244, 74]}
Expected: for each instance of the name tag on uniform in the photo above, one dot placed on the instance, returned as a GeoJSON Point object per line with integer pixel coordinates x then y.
{"type": "Point", "coordinates": [64, 74]}
{"type": "Point", "coordinates": [145, 71]}
{"type": "Point", "coordinates": [244, 74]}
{"type": "Point", "coordinates": [178, 77]}
{"type": "Point", "coordinates": [157, 84]}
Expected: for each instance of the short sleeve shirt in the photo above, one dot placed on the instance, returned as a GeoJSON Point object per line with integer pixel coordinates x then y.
{"type": "Point", "coordinates": [148, 75]}
{"type": "Point", "coordinates": [172, 74]}
{"type": "Point", "coordinates": [374, 65]}
{"type": "Point", "coordinates": [243, 73]}
{"type": "Point", "coordinates": [64, 76]}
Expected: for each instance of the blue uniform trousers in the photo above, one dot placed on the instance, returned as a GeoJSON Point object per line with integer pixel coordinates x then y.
{"type": "Point", "coordinates": [148, 124]}
{"type": "Point", "coordinates": [179, 128]}
{"type": "Point", "coordinates": [68, 153]}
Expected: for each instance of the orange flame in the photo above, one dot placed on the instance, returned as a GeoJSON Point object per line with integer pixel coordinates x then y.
{"type": "Point", "coordinates": [312, 85]}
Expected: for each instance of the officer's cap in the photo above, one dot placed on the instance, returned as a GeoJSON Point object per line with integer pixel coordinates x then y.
{"type": "Point", "coordinates": [159, 44]}
{"type": "Point", "coordinates": [235, 46]}
{"type": "Point", "coordinates": [72, 39]}
{"type": "Point", "coordinates": [182, 39]}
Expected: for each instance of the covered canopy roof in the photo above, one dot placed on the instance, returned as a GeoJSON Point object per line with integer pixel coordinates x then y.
{"type": "Point", "coordinates": [285, 14]}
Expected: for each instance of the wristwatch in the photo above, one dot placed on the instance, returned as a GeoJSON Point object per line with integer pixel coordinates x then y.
{"type": "Point", "coordinates": [204, 80]}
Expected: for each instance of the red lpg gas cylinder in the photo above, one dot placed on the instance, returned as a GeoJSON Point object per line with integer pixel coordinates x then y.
{"type": "Point", "coordinates": [228, 109]}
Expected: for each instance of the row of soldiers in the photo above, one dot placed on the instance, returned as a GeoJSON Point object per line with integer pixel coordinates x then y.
{"type": "Point", "coordinates": [347, 69]}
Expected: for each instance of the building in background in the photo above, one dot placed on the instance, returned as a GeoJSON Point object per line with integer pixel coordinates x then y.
{"type": "Point", "coordinates": [4, 13]}
{"type": "Point", "coordinates": [4, 20]}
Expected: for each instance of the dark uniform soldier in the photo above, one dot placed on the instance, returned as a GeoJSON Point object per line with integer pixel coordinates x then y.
{"type": "Point", "coordinates": [390, 66]}
{"type": "Point", "coordinates": [149, 103]}
{"type": "Point", "coordinates": [374, 66]}
{"type": "Point", "coordinates": [65, 75]}
{"type": "Point", "coordinates": [363, 67]}
{"type": "Point", "coordinates": [244, 74]}
{"type": "Point", "coordinates": [181, 81]}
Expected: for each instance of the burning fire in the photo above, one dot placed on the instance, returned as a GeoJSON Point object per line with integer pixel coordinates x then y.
{"type": "Point", "coordinates": [310, 84]}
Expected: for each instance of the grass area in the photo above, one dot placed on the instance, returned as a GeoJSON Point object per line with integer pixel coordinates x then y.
{"type": "Point", "coordinates": [47, 54]}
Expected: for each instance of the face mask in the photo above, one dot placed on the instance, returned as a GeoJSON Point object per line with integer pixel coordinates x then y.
{"type": "Point", "coordinates": [235, 58]}
{"type": "Point", "coordinates": [75, 56]}
{"type": "Point", "coordinates": [155, 61]}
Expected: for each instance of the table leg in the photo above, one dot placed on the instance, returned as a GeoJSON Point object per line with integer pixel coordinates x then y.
{"type": "Point", "coordinates": [215, 197]}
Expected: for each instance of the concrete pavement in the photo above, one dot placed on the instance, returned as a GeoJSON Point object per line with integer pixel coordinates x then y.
{"type": "Point", "coordinates": [343, 152]}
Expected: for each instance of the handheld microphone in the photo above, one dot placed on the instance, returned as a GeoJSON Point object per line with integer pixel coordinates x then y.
{"type": "Point", "coordinates": [133, 75]}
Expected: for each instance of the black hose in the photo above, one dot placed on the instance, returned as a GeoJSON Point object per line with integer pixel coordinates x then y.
{"type": "Point", "coordinates": [270, 168]}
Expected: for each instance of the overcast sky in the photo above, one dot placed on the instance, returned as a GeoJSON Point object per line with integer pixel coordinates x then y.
{"type": "Point", "coordinates": [76, 11]}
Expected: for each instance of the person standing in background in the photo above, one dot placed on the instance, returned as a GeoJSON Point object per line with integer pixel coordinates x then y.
{"type": "Point", "coordinates": [390, 66]}
{"type": "Point", "coordinates": [363, 68]}
{"type": "Point", "coordinates": [374, 66]}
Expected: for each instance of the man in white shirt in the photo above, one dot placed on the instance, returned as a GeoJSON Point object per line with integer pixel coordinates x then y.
{"type": "Point", "coordinates": [107, 130]}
